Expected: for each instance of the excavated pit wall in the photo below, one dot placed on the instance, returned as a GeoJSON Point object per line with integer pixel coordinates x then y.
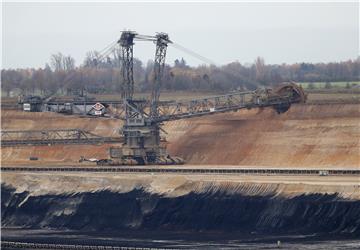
{"type": "Point", "coordinates": [305, 136]}
{"type": "Point", "coordinates": [176, 203]}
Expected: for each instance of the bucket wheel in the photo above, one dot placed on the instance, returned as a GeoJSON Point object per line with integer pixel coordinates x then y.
{"type": "Point", "coordinates": [291, 92]}
{"type": "Point", "coordinates": [296, 93]}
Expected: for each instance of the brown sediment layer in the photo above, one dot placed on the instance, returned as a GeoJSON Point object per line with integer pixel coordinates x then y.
{"type": "Point", "coordinates": [322, 135]}
{"type": "Point", "coordinates": [307, 135]}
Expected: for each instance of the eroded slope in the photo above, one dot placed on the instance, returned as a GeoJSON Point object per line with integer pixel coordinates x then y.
{"type": "Point", "coordinates": [325, 135]}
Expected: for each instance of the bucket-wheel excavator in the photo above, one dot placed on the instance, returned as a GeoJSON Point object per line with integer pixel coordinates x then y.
{"type": "Point", "coordinates": [143, 118]}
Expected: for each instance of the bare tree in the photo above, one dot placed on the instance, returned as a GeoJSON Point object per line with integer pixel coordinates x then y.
{"type": "Point", "coordinates": [56, 61]}
{"type": "Point", "coordinates": [68, 63]}
{"type": "Point", "coordinates": [39, 80]}
{"type": "Point", "coordinates": [92, 59]}
{"type": "Point", "coordinates": [60, 62]}
{"type": "Point", "coordinates": [260, 70]}
{"type": "Point", "coordinates": [10, 79]}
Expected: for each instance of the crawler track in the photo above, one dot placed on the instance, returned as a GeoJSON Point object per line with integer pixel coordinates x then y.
{"type": "Point", "coordinates": [186, 170]}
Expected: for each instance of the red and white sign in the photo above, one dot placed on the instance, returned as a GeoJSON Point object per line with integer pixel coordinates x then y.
{"type": "Point", "coordinates": [98, 106]}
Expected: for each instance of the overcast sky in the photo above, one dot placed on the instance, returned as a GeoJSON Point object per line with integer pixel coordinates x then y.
{"type": "Point", "coordinates": [222, 32]}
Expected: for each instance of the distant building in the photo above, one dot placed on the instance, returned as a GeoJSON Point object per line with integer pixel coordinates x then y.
{"type": "Point", "coordinates": [32, 104]}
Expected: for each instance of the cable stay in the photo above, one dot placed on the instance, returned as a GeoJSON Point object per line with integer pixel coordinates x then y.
{"type": "Point", "coordinates": [193, 53]}
{"type": "Point", "coordinates": [104, 53]}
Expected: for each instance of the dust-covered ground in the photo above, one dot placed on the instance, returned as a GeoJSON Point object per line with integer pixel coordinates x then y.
{"type": "Point", "coordinates": [316, 135]}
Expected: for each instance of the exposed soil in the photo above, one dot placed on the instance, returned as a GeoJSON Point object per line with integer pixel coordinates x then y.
{"type": "Point", "coordinates": [323, 135]}
{"type": "Point", "coordinates": [18, 120]}
{"type": "Point", "coordinates": [306, 135]}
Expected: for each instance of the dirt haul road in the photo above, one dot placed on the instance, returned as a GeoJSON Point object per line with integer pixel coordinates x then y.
{"type": "Point", "coordinates": [323, 135]}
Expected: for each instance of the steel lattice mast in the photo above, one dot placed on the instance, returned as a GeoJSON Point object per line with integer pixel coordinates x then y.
{"type": "Point", "coordinates": [127, 43]}
{"type": "Point", "coordinates": [162, 40]}
{"type": "Point", "coordinates": [141, 130]}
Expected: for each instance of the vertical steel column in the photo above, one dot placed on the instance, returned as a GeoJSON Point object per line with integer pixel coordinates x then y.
{"type": "Point", "coordinates": [126, 42]}
{"type": "Point", "coordinates": [162, 40]}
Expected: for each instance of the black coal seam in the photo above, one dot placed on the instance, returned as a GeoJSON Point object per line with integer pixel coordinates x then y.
{"type": "Point", "coordinates": [208, 211]}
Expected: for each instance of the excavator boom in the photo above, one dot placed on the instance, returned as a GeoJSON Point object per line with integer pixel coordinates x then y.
{"type": "Point", "coordinates": [280, 98]}
{"type": "Point", "coordinates": [143, 118]}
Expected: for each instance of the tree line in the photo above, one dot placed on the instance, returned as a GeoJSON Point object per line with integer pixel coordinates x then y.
{"type": "Point", "coordinates": [98, 75]}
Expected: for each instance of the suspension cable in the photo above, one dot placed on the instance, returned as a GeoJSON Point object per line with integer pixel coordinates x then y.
{"type": "Point", "coordinates": [193, 53]}
{"type": "Point", "coordinates": [102, 54]}
{"type": "Point", "coordinates": [109, 45]}
{"type": "Point", "coordinates": [110, 48]}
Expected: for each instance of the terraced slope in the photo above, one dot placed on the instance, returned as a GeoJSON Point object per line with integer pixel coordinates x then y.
{"type": "Point", "coordinates": [326, 135]}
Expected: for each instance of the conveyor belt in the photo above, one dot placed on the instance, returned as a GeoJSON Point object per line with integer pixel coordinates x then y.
{"type": "Point", "coordinates": [27, 245]}
{"type": "Point", "coordinates": [186, 170]}
{"type": "Point", "coordinates": [11, 138]}
{"type": "Point", "coordinates": [10, 143]}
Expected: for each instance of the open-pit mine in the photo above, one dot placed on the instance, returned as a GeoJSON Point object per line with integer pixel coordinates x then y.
{"type": "Point", "coordinates": [234, 169]}
{"type": "Point", "coordinates": [318, 137]}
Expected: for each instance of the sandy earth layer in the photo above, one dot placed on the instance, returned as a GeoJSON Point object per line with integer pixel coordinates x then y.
{"type": "Point", "coordinates": [173, 185]}
{"type": "Point", "coordinates": [305, 136]}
